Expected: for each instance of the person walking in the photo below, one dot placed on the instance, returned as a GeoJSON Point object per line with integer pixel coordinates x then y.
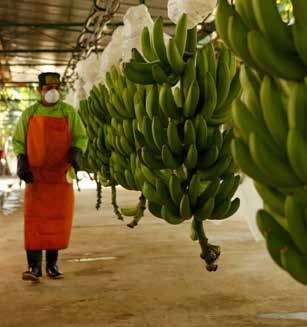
{"type": "Point", "coordinates": [49, 139]}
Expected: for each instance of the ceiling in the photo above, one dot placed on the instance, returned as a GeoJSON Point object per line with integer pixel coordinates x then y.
{"type": "Point", "coordinates": [40, 35]}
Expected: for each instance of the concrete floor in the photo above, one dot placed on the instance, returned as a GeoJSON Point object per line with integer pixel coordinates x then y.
{"type": "Point", "coordinates": [156, 278]}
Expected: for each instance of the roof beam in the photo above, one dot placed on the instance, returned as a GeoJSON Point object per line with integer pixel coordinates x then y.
{"type": "Point", "coordinates": [42, 50]}
{"type": "Point", "coordinates": [31, 65]}
{"type": "Point", "coordinates": [60, 25]}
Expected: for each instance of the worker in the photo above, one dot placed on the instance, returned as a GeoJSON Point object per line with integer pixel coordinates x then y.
{"type": "Point", "coordinates": [49, 139]}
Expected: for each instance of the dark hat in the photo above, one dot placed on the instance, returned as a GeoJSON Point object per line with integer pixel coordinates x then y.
{"type": "Point", "coordinates": [48, 78]}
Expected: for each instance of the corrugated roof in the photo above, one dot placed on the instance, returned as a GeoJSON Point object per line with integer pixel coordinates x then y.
{"type": "Point", "coordinates": [23, 27]}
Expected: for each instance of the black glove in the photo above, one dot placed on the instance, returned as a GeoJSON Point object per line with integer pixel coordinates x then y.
{"type": "Point", "coordinates": [23, 171]}
{"type": "Point", "coordinates": [74, 158]}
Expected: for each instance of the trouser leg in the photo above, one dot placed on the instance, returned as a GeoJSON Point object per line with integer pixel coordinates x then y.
{"type": "Point", "coordinates": [51, 257]}
{"type": "Point", "coordinates": [34, 258]}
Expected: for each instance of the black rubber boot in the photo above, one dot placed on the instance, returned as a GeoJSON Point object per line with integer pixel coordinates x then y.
{"type": "Point", "coordinates": [34, 273]}
{"type": "Point", "coordinates": [52, 269]}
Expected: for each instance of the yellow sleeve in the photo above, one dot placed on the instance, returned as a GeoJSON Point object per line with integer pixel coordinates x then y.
{"type": "Point", "coordinates": [78, 131]}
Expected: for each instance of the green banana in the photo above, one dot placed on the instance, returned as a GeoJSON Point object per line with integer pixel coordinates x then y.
{"type": "Point", "coordinates": [155, 209]}
{"type": "Point", "coordinates": [178, 97]}
{"type": "Point", "coordinates": [279, 170]}
{"type": "Point", "coordinates": [139, 139]}
{"type": "Point", "coordinates": [158, 40]}
{"type": "Point", "coordinates": [130, 181]}
{"type": "Point", "coordinates": [235, 204]}
{"type": "Point", "coordinates": [159, 74]}
{"type": "Point", "coordinates": [191, 158]}
{"type": "Point", "coordinates": [152, 102]}
{"type": "Point", "coordinates": [201, 69]}
{"type": "Point", "coordinates": [149, 175]}
{"type": "Point", "coordinates": [243, 7]}
{"type": "Point", "coordinates": [128, 102]}
{"type": "Point", "coordinates": [234, 91]}
{"type": "Point", "coordinates": [244, 160]}
{"type": "Point", "coordinates": [191, 101]}
{"type": "Point", "coordinates": [222, 82]}
{"type": "Point", "coordinates": [210, 54]}
{"type": "Point", "coordinates": [210, 190]}
{"type": "Point", "coordinates": [272, 197]}
{"type": "Point", "coordinates": [128, 130]}
{"type": "Point", "coordinates": [205, 211]}
{"type": "Point", "coordinates": [137, 56]}
{"type": "Point", "coordinates": [151, 160]}
{"type": "Point", "coordinates": [270, 24]}
{"type": "Point", "coordinates": [173, 139]}
{"type": "Point", "coordinates": [220, 209]}
{"type": "Point", "coordinates": [113, 112]}
{"type": "Point", "coordinates": [189, 133]}
{"type": "Point", "coordinates": [129, 212]}
{"type": "Point", "coordinates": [210, 96]}
{"type": "Point", "coordinates": [140, 110]}
{"type": "Point", "coordinates": [297, 224]}
{"type": "Point", "coordinates": [163, 193]}
{"type": "Point", "coordinates": [216, 170]}
{"type": "Point", "coordinates": [167, 102]}
{"type": "Point", "coordinates": [138, 76]}
{"type": "Point", "coordinates": [297, 108]}
{"type": "Point", "coordinates": [208, 157]}
{"type": "Point", "coordinates": [201, 133]}
{"type": "Point", "coordinates": [119, 105]}
{"type": "Point", "coordinates": [189, 75]}
{"type": "Point", "coordinates": [225, 189]}
{"type": "Point", "coordinates": [251, 92]}
{"type": "Point", "coordinates": [237, 36]}
{"type": "Point", "coordinates": [175, 189]}
{"type": "Point", "coordinates": [174, 57]}
{"type": "Point", "coordinates": [246, 124]}
{"type": "Point", "coordinates": [168, 159]}
{"type": "Point", "coordinates": [150, 193]}
{"type": "Point", "coordinates": [296, 145]}
{"type": "Point", "coordinates": [194, 189]}
{"type": "Point", "coordinates": [147, 47]}
{"type": "Point", "coordinates": [299, 38]}
{"type": "Point", "coordinates": [276, 236]}
{"type": "Point", "coordinates": [271, 60]}
{"type": "Point", "coordinates": [181, 33]}
{"type": "Point", "coordinates": [223, 12]}
{"type": "Point", "coordinates": [295, 263]}
{"type": "Point", "coordinates": [147, 132]}
{"type": "Point", "coordinates": [158, 132]}
{"type": "Point", "coordinates": [170, 216]}
{"type": "Point", "coordinates": [185, 207]}
{"type": "Point", "coordinates": [274, 115]}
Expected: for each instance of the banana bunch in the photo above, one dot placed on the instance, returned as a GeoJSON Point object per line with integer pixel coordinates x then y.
{"type": "Point", "coordinates": [184, 160]}
{"type": "Point", "coordinates": [255, 32]}
{"type": "Point", "coordinates": [270, 145]}
{"type": "Point", "coordinates": [167, 140]}
{"type": "Point", "coordinates": [160, 63]}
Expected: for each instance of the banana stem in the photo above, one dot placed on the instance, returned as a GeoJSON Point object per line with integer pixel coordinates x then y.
{"type": "Point", "coordinates": [209, 252]}
{"type": "Point", "coordinates": [114, 203]}
{"type": "Point", "coordinates": [140, 212]}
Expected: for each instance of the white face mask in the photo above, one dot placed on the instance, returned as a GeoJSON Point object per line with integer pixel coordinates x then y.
{"type": "Point", "coordinates": [52, 96]}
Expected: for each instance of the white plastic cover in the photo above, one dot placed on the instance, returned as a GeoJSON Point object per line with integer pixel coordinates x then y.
{"type": "Point", "coordinates": [197, 10]}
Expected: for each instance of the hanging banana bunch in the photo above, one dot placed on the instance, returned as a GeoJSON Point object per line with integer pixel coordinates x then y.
{"type": "Point", "coordinates": [270, 120]}
{"type": "Point", "coordinates": [156, 126]}
{"type": "Point", "coordinates": [255, 32]}
{"type": "Point", "coordinates": [270, 147]}
{"type": "Point", "coordinates": [183, 97]}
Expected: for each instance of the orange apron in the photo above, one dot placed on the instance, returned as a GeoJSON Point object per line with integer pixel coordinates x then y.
{"type": "Point", "coordinates": [49, 200]}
